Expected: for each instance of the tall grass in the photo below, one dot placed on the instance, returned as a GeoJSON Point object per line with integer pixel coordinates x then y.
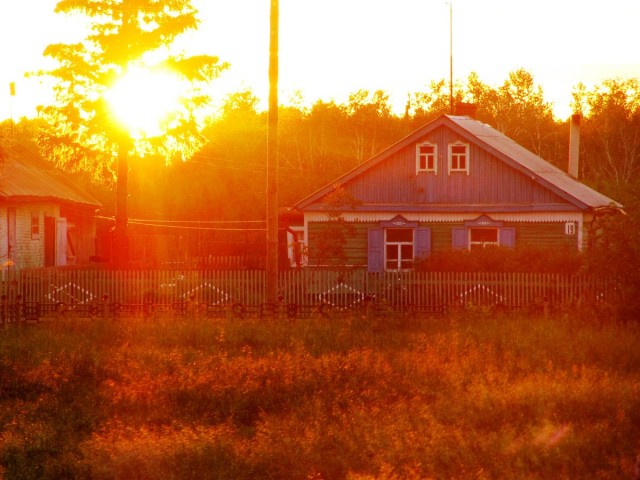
{"type": "Point", "coordinates": [471, 396]}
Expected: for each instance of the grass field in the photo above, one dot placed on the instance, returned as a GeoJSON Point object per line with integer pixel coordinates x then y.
{"type": "Point", "coordinates": [467, 396]}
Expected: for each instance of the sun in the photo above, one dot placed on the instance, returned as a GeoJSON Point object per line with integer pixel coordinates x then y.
{"type": "Point", "coordinates": [144, 99]}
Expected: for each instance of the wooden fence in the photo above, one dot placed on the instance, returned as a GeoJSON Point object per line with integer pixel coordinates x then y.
{"type": "Point", "coordinates": [339, 289]}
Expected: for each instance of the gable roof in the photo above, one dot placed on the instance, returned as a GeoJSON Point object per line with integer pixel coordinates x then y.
{"type": "Point", "coordinates": [24, 175]}
{"type": "Point", "coordinates": [500, 146]}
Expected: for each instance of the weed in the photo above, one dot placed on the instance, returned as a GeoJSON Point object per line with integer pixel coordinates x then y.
{"type": "Point", "coordinates": [369, 397]}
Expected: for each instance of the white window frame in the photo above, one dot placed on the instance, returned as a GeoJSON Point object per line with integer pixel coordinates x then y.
{"type": "Point", "coordinates": [466, 155]}
{"type": "Point", "coordinates": [420, 155]}
{"type": "Point", "coordinates": [35, 225]}
{"type": "Point", "coordinates": [483, 244]}
{"type": "Point", "coordinates": [399, 245]}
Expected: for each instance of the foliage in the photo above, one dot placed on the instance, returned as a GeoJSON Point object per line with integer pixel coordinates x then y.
{"type": "Point", "coordinates": [428, 105]}
{"type": "Point", "coordinates": [371, 123]}
{"type": "Point", "coordinates": [615, 251]}
{"type": "Point", "coordinates": [333, 238]}
{"type": "Point", "coordinates": [82, 134]}
{"type": "Point", "coordinates": [465, 397]}
{"type": "Point", "coordinates": [611, 132]}
{"type": "Point", "coordinates": [319, 143]}
{"type": "Point", "coordinates": [504, 259]}
{"type": "Point", "coordinates": [518, 109]}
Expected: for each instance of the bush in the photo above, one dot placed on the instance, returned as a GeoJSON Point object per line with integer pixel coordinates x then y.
{"type": "Point", "coordinates": [508, 260]}
{"type": "Point", "coordinates": [615, 252]}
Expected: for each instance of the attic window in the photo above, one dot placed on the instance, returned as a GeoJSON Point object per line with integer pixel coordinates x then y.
{"type": "Point", "coordinates": [426, 158]}
{"type": "Point", "coordinates": [35, 226]}
{"type": "Point", "coordinates": [459, 157]}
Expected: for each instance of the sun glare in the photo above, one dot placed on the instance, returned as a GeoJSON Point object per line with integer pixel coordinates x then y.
{"type": "Point", "coordinates": [144, 99]}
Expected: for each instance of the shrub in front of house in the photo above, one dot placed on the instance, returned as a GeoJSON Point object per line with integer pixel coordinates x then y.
{"type": "Point", "coordinates": [504, 260]}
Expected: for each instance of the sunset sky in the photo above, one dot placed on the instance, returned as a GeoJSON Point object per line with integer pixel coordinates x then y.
{"type": "Point", "coordinates": [331, 48]}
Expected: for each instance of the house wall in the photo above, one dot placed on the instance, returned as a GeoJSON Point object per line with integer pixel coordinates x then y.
{"type": "Point", "coordinates": [28, 250]}
{"type": "Point", "coordinates": [490, 181]}
{"type": "Point", "coordinates": [528, 235]}
{"type": "Point", "coordinates": [81, 229]}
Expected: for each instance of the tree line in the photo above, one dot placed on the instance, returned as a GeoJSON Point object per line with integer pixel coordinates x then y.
{"type": "Point", "coordinates": [226, 178]}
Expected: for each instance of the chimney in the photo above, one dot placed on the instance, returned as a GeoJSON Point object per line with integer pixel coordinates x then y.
{"type": "Point", "coordinates": [574, 145]}
{"type": "Point", "coordinates": [468, 109]}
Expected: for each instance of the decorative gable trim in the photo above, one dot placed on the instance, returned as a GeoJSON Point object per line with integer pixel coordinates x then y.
{"type": "Point", "coordinates": [435, 217]}
{"type": "Point", "coordinates": [483, 221]}
{"type": "Point", "coordinates": [398, 221]}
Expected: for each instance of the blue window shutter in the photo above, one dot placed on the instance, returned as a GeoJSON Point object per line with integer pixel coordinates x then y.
{"type": "Point", "coordinates": [508, 237]}
{"type": "Point", "coordinates": [423, 242]}
{"type": "Point", "coordinates": [376, 250]}
{"type": "Point", "coordinates": [459, 238]}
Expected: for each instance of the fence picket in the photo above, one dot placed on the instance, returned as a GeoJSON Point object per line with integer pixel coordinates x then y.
{"type": "Point", "coordinates": [343, 289]}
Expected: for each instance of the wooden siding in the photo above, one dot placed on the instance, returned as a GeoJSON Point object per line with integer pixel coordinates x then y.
{"type": "Point", "coordinates": [81, 233]}
{"type": "Point", "coordinates": [543, 235]}
{"type": "Point", "coordinates": [490, 181]}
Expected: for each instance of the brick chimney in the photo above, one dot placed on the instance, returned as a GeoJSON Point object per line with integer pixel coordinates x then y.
{"type": "Point", "coordinates": [574, 145]}
{"type": "Point", "coordinates": [468, 109]}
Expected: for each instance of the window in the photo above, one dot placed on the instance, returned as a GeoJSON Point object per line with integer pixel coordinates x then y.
{"type": "Point", "coordinates": [426, 158]}
{"type": "Point", "coordinates": [459, 157]}
{"type": "Point", "coordinates": [35, 226]}
{"type": "Point", "coordinates": [398, 247]}
{"type": "Point", "coordinates": [483, 237]}
{"type": "Point", "coordinates": [482, 232]}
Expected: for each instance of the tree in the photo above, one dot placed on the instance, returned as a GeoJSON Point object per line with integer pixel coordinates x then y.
{"type": "Point", "coordinates": [518, 109]}
{"type": "Point", "coordinates": [430, 104]}
{"type": "Point", "coordinates": [611, 132]}
{"type": "Point", "coordinates": [335, 233]}
{"type": "Point", "coordinates": [123, 35]}
{"type": "Point", "coordinates": [371, 121]}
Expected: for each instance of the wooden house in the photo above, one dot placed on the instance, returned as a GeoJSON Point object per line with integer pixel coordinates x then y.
{"type": "Point", "coordinates": [46, 220]}
{"type": "Point", "coordinates": [454, 183]}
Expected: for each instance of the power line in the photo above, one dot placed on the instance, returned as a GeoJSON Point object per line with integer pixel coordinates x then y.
{"type": "Point", "coordinates": [183, 227]}
{"type": "Point", "coordinates": [160, 221]}
{"type": "Point", "coordinates": [170, 224]}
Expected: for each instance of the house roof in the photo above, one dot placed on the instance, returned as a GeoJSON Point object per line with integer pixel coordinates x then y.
{"type": "Point", "coordinates": [24, 175]}
{"type": "Point", "coordinates": [499, 145]}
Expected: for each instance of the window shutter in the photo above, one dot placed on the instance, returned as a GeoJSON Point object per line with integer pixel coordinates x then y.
{"type": "Point", "coordinates": [376, 250]}
{"type": "Point", "coordinates": [508, 237]}
{"type": "Point", "coordinates": [61, 241]}
{"type": "Point", "coordinates": [423, 242]}
{"type": "Point", "coordinates": [460, 238]}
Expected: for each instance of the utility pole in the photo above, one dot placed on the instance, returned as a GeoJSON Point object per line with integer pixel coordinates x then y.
{"type": "Point", "coordinates": [120, 255]}
{"type": "Point", "coordinates": [12, 93]}
{"type": "Point", "coordinates": [272, 160]}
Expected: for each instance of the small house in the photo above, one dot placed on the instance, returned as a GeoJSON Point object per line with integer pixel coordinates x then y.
{"type": "Point", "coordinates": [455, 183]}
{"type": "Point", "coordinates": [45, 219]}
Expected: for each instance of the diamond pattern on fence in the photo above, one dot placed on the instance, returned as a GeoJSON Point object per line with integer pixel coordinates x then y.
{"type": "Point", "coordinates": [208, 293]}
{"type": "Point", "coordinates": [342, 296]}
{"type": "Point", "coordinates": [70, 293]}
{"type": "Point", "coordinates": [481, 295]}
